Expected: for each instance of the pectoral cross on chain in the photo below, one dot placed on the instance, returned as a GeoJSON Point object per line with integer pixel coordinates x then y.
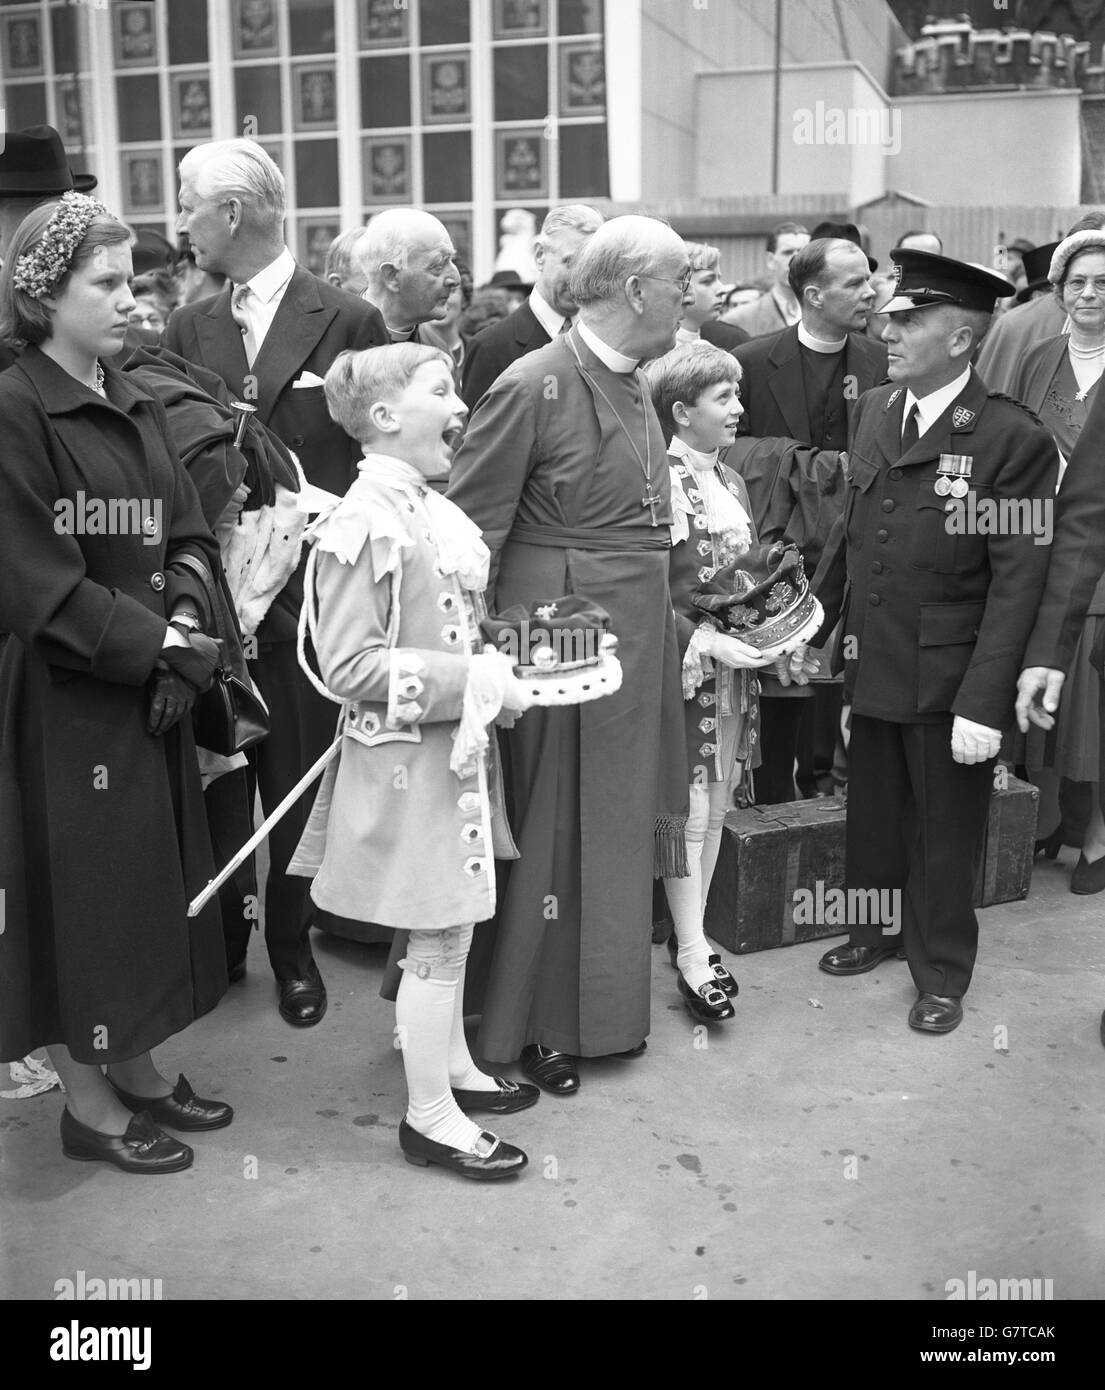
{"type": "Point", "coordinates": [648, 500]}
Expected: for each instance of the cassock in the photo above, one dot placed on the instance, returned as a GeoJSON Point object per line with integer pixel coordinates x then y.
{"type": "Point", "coordinates": [935, 620]}
{"type": "Point", "coordinates": [553, 469]}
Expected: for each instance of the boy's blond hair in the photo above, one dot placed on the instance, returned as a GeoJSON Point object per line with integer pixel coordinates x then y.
{"type": "Point", "coordinates": [357, 380]}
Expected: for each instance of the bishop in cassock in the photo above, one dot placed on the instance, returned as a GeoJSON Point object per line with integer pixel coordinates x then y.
{"type": "Point", "coordinates": [563, 469]}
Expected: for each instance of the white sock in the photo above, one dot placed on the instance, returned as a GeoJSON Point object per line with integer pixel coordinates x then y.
{"type": "Point", "coordinates": [685, 898]}
{"type": "Point", "coordinates": [464, 1075]}
{"type": "Point", "coordinates": [424, 1015]}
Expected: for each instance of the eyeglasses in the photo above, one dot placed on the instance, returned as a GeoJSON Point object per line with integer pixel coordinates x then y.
{"type": "Point", "coordinates": [1077, 285]}
{"type": "Point", "coordinates": [684, 282]}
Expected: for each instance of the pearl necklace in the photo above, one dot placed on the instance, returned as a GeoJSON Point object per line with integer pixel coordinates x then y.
{"type": "Point", "coordinates": [1085, 353]}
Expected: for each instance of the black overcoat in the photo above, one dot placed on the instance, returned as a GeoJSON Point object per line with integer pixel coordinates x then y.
{"type": "Point", "coordinates": [103, 837]}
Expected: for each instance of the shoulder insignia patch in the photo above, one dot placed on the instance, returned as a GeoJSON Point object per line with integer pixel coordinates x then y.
{"type": "Point", "coordinates": [1000, 396]}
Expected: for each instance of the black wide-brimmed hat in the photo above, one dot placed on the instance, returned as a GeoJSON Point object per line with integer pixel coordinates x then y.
{"type": "Point", "coordinates": [1037, 263]}
{"type": "Point", "coordinates": [922, 278]}
{"type": "Point", "coordinates": [843, 231]}
{"type": "Point", "coordinates": [33, 163]}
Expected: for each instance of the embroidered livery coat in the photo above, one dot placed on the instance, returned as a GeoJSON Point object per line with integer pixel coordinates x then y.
{"type": "Point", "coordinates": [695, 555]}
{"type": "Point", "coordinates": [396, 837]}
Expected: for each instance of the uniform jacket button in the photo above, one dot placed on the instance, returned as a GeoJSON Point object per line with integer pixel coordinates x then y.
{"type": "Point", "coordinates": [874, 600]}
{"type": "Point", "coordinates": [876, 567]}
{"type": "Point", "coordinates": [157, 581]}
{"type": "Point", "coordinates": [882, 535]}
{"type": "Point", "coordinates": [896, 474]}
{"type": "Point", "coordinates": [888, 504]}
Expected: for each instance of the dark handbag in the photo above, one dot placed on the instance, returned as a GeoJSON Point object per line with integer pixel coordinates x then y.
{"type": "Point", "coordinates": [231, 716]}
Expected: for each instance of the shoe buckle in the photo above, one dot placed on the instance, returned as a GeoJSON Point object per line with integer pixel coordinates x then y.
{"type": "Point", "coordinates": [486, 1144]}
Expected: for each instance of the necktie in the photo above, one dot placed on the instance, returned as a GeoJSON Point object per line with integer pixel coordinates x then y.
{"type": "Point", "coordinates": [910, 432]}
{"type": "Point", "coordinates": [565, 327]}
{"type": "Point", "coordinates": [242, 319]}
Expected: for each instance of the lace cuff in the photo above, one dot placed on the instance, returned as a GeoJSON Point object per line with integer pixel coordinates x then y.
{"type": "Point", "coordinates": [697, 665]}
{"type": "Point", "coordinates": [483, 699]}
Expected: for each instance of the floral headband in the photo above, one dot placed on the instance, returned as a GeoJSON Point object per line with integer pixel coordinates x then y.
{"type": "Point", "coordinates": [38, 271]}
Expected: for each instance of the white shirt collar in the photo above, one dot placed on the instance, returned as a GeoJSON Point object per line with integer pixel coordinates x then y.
{"type": "Point", "coordinates": [687, 335]}
{"type": "Point", "coordinates": [608, 356]}
{"type": "Point", "coordinates": [545, 314]}
{"type": "Point", "coordinates": [701, 463]}
{"type": "Point", "coordinates": [269, 282]}
{"type": "Point", "coordinates": [806, 338]}
{"type": "Point", "coordinates": [932, 406]}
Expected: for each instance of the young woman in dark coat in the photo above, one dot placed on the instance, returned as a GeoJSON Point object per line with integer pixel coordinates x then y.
{"type": "Point", "coordinates": [103, 837]}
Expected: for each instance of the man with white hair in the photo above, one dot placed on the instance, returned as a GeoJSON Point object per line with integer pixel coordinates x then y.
{"type": "Point", "coordinates": [271, 334]}
{"type": "Point", "coordinates": [564, 470]}
{"type": "Point", "coordinates": [408, 260]}
{"type": "Point", "coordinates": [546, 313]}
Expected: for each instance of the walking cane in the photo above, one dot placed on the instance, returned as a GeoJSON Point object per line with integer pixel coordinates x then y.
{"type": "Point", "coordinates": [200, 901]}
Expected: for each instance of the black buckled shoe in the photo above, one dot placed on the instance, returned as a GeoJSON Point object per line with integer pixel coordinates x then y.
{"type": "Point", "coordinates": [935, 1013]}
{"type": "Point", "coordinates": [555, 1071]}
{"type": "Point", "coordinates": [303, 1002]}
{"type": "Point", "coordinates": [142, 1149]}
{"type": "Point", "coordinates": [857, 960]}
{"type": "Point", "coordinates": [725, 981]}
{"type": "Point", "coordinates": [494, 1158]}
{"type": "Point", "coordinates": [182, 1110]}
{"type": "Point", "coordinates": [511, 1096]}
{"type": "Point", "coordinates": [707, 1004]}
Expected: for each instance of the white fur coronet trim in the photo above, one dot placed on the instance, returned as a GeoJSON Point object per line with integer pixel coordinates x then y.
{"type": "Point", "coordinates": [575, 687]}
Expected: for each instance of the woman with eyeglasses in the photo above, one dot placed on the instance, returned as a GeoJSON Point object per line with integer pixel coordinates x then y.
{"type": "Point", "coordinates": [1059, 379]}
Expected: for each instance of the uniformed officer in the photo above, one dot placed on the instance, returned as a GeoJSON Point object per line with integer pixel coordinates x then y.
{"type": "Point", "coordinates": [938, 565]}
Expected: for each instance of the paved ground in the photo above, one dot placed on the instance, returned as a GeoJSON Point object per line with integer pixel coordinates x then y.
{"type": "Point", "coordinates": [814, 1148]}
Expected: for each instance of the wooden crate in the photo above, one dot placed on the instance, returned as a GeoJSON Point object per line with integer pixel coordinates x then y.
{"type": "Point", "coordinates": [768, 853]}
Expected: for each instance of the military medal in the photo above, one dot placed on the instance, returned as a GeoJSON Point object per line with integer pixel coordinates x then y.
{"type": "Point", "coordinates": [954, 470]}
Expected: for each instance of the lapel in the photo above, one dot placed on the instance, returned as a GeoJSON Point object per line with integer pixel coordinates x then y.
{"type": "Point", "coordinates": [299, 324]}
{"type": "Point", "coordinates": [958, 420]}
{"type": "Point", "coordinates": [220, 341]}
{"type": "Point", "coordinates": [786, 383]}
{"type": "Point", "coordinates": [528, 332]}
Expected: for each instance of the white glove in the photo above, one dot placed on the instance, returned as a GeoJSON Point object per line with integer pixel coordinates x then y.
{"type": "Point", "coordinates": [515, 695]}
{"type": "Point", "coordinates": [731, 651]}
{"type": "Point", "coordinates": [796, 666]}
{"type": "Point", "coordinates": [1038, 689]}
{"type": "Point", "coordinates": [973, 743]}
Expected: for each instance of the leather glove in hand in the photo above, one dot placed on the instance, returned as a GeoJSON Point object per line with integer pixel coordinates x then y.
{"type": "Point", "coordinates": [171, 697]}
{"type": "Point", "coordinates": [196, 663]}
